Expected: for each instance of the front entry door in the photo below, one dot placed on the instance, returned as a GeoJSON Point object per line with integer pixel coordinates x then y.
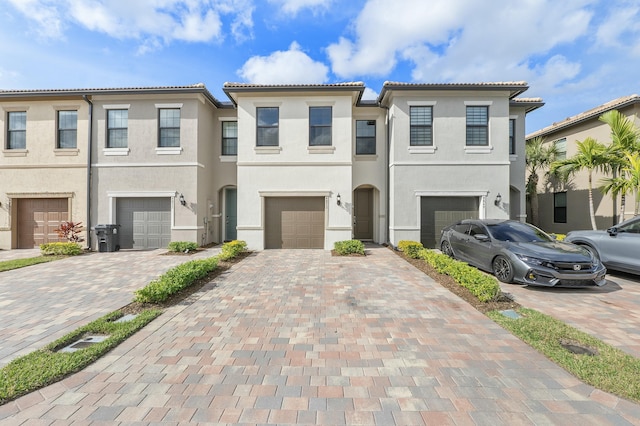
{"type": "Point", "coordinates": [230, 214]}
{"type": "Point", "coordinates": [363, 214]}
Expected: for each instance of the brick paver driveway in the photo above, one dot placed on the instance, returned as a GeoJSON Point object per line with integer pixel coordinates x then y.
{"type": "Point", "coordinates": [302, 337]}
{"type": "Point", "coordinates": [41, 303]}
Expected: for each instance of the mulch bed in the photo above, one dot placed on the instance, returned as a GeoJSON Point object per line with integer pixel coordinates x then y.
{"type": "Point", "coordinates": [449, 283]}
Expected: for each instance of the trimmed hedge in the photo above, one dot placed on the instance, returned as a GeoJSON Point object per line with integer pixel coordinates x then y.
{"type": "Point", "coordinates": [410, 248]}
{"type": "Point", "coordinates": [483, 286]}
{"type": "Point", "coordinates": [174, 280]}
{"type": "Point", "coordinates": [232, 249]}
{"type": "Point", "coordinates": [182, 246]}
{"type": "Point", "coordinates": [344, 248]}
{"type": "Point", "coordinates": [57, 249]}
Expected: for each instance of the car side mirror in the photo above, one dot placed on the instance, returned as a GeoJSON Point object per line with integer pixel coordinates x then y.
{"type": "Point", "coordinates": [483, 238]}
{"type": "Point", "coordinates": [613, 231]}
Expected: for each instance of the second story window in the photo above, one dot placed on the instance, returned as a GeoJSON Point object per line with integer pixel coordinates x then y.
{"type": "Point", "coordinates": [267, 126]}
{"type": "Point", "coordinates": [229, 138]}
{"type": "Point", "coordinates": [67, 129]}
{"type": "Point", "coordinates": [421, 123]}
{"type": "Point", "coordinates": [560, 207]}
{"type": "Point", "coordinates": [365, 137]}
{"type": "Point", "coordinates": [117, 128]}
{"type": "Point", "coordinates": [17, 130]}
{"type": "Point", "coordinates": [319, 126]}
{"type": "Point", "coordinates": [169, 127]}
{"type": "Point", "coordinates": [477, 125]}
{"type": "Point", "coordinates": [561, 147]}
{"type": "Point", "coordinates": [512, 136]}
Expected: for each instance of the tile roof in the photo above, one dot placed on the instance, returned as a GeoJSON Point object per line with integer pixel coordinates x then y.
{"type": "Point", "coordinates": [516, 87]}
{"type": "Point", "coordinates": [587, 115]}
{"type": "Point", "coordinates": [353, 86]}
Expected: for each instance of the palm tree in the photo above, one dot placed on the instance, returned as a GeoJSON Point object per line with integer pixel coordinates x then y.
{"type": "Point", "coordinates": [625, 138]}
{"type": "Point", "coordinates": [538, 157]}
{"type": "Point", "coordinates": [591, 155]}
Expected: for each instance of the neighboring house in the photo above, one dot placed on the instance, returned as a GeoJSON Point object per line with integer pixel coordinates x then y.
{"type": "Point", "coordinates": [280, 166]}
{"type": "Point", "coordinates": [564, 207]}
{"type": "Point", "coordinates": [456, 151]}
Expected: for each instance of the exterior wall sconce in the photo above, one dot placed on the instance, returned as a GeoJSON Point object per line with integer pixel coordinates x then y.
{"type": "Point", "coordinates": [338, 199]}
{"type": "Point", "coordinates": [182, 200]}
{"type": "Point", "coordinates": [498, 199]}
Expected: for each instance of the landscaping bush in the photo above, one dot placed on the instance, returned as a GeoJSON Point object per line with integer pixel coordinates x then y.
{"type": "Point", "coordinates": [344, 248]}
{"type": "Point", "coordinates": [66, 249]}
{"type": "Point", "coordinates": [410, 248]}
{"type": "Point", "coordinates": [182, 246]}
{"type": "Point", "coordinates": [70, 231]}
{"type": "Point", "coordinates": [481, 285]}
{"type": "Point", "coordinates": [232, 249]}
{"type": "Point", "coordinates": [559, 237]}
{"type": "Point", "coordinates": [174, 280]}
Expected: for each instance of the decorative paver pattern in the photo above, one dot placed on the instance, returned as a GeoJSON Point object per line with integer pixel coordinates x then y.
{"type": "Point", "coordinates": [288, 337]}
{"type": "Point", "coordinates": [41, 303]}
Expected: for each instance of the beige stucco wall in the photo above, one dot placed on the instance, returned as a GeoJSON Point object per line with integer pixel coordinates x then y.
{"type": "Point", "coordinates": [576, 187]}
{"type": "Point", "coordinates": [41, 170]}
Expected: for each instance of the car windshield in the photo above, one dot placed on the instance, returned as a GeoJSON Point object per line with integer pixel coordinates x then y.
{"type": "Point", "coordinates": [517, 232]}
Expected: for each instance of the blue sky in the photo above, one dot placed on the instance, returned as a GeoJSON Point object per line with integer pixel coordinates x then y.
{"type": "Point", "coordinates": [575, 54]}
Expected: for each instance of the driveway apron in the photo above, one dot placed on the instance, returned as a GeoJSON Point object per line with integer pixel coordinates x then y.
{"type": "Point", "coordinates": [302, 337]}
{"type": "Point", "coordinates": [41, 303]}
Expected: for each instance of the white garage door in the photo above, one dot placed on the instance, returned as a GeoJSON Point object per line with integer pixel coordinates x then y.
{"type": "Point", "coordinates": [145, 223]}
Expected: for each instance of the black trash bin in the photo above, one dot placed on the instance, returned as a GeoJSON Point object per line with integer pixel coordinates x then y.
{"type": "Point", "coordinates": [108, 237]}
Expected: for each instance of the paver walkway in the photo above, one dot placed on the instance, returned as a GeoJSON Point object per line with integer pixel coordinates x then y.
{"type": "Point", "coordinates": [610, 313]}
{"type": "Point", "coordinates": [41, 303]}
{"type": "Point", "coordinates": [302, 337]}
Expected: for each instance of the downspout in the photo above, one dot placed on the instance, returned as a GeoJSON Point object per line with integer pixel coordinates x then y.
{"type": "Point", "coordinates": [89, 145]}
{"type": "Point", "coordinates": [387, 174]}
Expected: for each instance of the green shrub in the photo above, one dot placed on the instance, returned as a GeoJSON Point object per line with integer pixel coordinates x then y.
{"type": "Point", "coordinates": [483, 286]}
{"type": "Point", "coordinates": [232, 249]}
{"type": "Point", "coordinates": [559, 237]}
{"type": "Point", "coordinates": [174, 280]}
{"type": "Point", "coordinates": [344, 248]}
{"type": "Point", "coordinates": [182, 246]}
{"type": "Point", "coordinates": [66, 249]}
{"type": "Point", "coordinates": [410, 248]}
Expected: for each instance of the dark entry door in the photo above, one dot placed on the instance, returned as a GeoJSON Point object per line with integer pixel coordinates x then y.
{"type": "Point", "coordinates": [363, 214]}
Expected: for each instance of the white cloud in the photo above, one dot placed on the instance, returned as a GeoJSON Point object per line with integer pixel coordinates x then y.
{"type": "Point", "coordinates": [149, 20]}
{"type": "Point", "coordinates": [620, 28]}
{"type": "Point", "coordinates": [292, 7]}
{"type": "Point", "coordinates": [457, 40]}
{"type": "Point", "coordinates": [291, 66]}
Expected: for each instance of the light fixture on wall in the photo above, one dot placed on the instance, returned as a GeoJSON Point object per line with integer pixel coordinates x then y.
{"type": "Point", "coordinates": [338, 199]}
{"type": "Point", "coordinates": [498, 199]}
{"type": "Point", "coordinates": [182, 200]}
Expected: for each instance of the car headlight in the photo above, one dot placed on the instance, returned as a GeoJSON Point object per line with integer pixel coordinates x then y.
{"type": "Point", "coordinates": [533, 260]}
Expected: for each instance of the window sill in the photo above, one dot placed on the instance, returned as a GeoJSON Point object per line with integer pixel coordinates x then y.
{"type": "Point", "coordinates": [267, 149]}
{"type": "Point", "coordinates": [421, 149]}
{"type": "Point", "coordinates": [64, 152]}
{"type": "Point", "coordinates": [323, 149]}
{"type": "Point", "coordinates": [478, 149]}
{"type": "Point", "coordinates": [228, 158]}
{"type": "Point", "coordinates": [169, 150]}
{"type": "Point", "coordinates": [513, 157]}
{"type": "Point", "coordinates": [366, 157]}
{"type": "Point", "coordinates": [115, 151]}
{"type": "Point", "coordinates": [15, 152]}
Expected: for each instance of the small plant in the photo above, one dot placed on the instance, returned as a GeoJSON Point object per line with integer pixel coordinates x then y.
{"type": "Point", "coordinates": [344, 248]}
{"type": "Point", "coordinates": [174, 280]}
{"type": "Point", "coordinates": [481, 285]}
{"type": "Point", "coordinates": [70, 231]}
{"type": "Point", "coordinates": [182, 246]}
{"type": "Point", "coordinates": [232, 249]}
{"type": "Point", "coordinates": [410, 248]}
{"type": "Point", "coordinates": [63, 249]}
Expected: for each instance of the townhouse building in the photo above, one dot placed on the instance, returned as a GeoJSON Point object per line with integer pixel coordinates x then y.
{"type": "Point", "coordinates": [279, 166]}
{"type": "Point", "coordinates": [564, 206]}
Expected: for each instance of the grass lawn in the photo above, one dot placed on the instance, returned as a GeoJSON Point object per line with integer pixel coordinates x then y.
{"type": "Point", "coordinates": [8, 265]}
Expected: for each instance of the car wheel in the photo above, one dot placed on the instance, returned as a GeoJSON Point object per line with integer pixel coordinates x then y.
{"type": "Point", "coordinates": [503, 269]}
{"type": "Point", "coordinates": [445, 248]}
{"type": "Point", "coordinates": [591, 250]}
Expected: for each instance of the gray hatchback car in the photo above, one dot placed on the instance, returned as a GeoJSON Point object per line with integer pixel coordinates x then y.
{"type": "Point", "coordinates": [618, 247]}
{"type": "Point", "coordinates": [518, 252]}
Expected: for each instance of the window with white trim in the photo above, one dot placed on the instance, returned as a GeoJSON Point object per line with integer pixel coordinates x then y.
{"type": "Point", "coordinates": [512, 136]}
{"type": "Point", "coordinates": [229, 138]}
{"type": "Point", "coordinates": [169, 127]}
{"type": "Point", "coordinates": [267, 122]}
{"type": "Point", "coordinates": [320, 126]}
{"type": "Point", "coordinates": [365, 137]}
{"type": "Point", "coordinates": [117, 128]}
{"type": "Point", "coordinates": [16, 130]}
{"type": "Point", "coordinates": [561, 147]}
{"type": "Point", "coordinates": [477, 125]}
{"type": "Point", "coordinates": [421, 126]}
{"type": "Point", "coordinates": [67, 130]}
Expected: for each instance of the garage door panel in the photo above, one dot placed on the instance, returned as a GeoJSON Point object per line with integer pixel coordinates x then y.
{"type": "Point", "coordinates": [439, 212]}
{"type": "Point", "coordinates": [294, 222]}
{"type": "Point", "coordinates": [145, 223]}
{"type": "Point", "coordinates": [38, 218]}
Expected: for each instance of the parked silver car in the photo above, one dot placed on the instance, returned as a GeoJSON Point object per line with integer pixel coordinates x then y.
{"type": "Point", "coordinates": [618, 247]}
{"type": "Point", "coordinates": [518, 252]}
